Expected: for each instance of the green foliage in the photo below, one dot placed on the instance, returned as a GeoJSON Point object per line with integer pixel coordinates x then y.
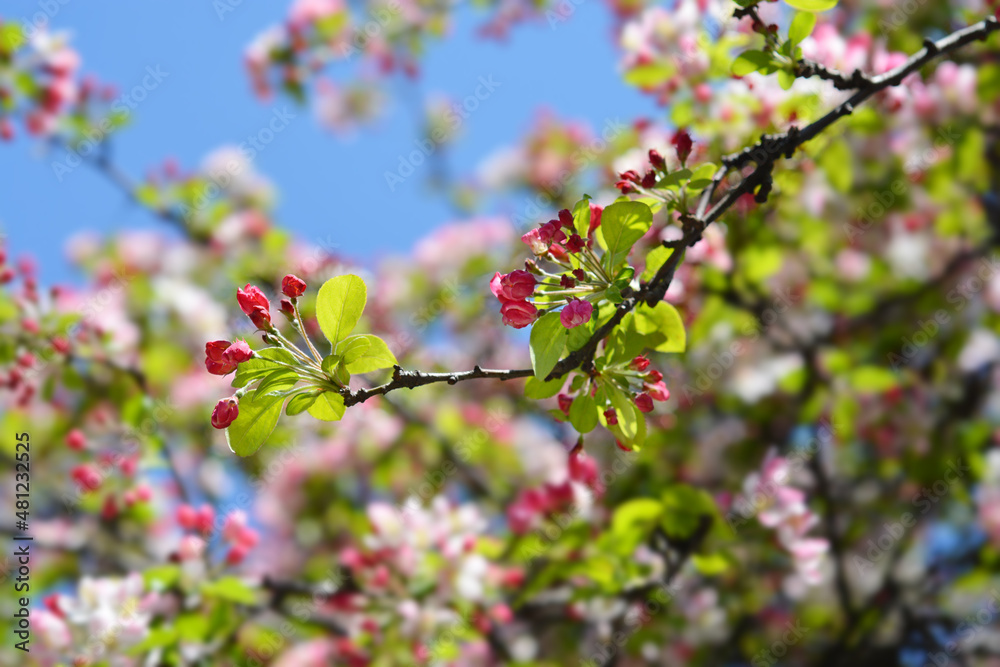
{"type": "Point", "coordinates": [622, 224]}
{"type": "Point", "coordinates": [339, 305]}
{"type": "Point", "coordinates": [548, 340]}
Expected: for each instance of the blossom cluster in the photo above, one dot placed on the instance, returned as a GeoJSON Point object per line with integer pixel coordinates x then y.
{"type": "Point", "coordinates": [783, 508]}
{"type": "Point", "coordinates": [577, 285]}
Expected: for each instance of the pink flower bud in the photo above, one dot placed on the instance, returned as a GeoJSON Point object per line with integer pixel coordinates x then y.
{"type": "Point", "coordinates": [191, 548]}
{"type": "Point", "coordinates": [287, 309]}
{"type": "Point", "coordinates": [566, 219]}
{"type": "Point", "coordinates": [144, 493]}
{"type": "Point", "coordinates": [582, 468]}
{"type": "Point", "coordinates": [236, 554]}
{"type": "Point", "coordinates": [574, 243]}
{"type": "Point", "coordinates": [293, 286]}
{"type": "Point", "coordinates": [75, 440]}
{"type": "Point", "coordinates": [565, 402]}
{"type": "Point", "coordinates": [640, 364]}
{"type": "Point", "coordinates": [644, 402]}
{"type": "Point", "coordinates": [215, 360]}
{"type": "Point", "coordinates": [575, 313]}
{"type": "Point", "coordinates": [225, 412]}
{"type": "Point", "coordinates": [518, 314]}
{"type": "Point", "coordinates": [87, 477]}
{"type": "Point", "coordinates": [656, 159]}
{"type": "Point", "coordinates": [654, 376]}
{"type": "Point", "coordinates": [658, 391]}
{"type": "Point", "coordinates": [255, 305]}
{"type": "Point", "coordinates": [595, 218]}
{"type": "Point", "coordinates": [682, 143]}
{"type": "Point", "coordinates": [234, 524]}
{"type": "Point", "coordinates": [534, 241]}
{"type": "Point", "coordinates": [237, 353]}
{"type": "Point", "coordinates": [520, 518]}
{"type": "Point", "coordinates": [109, 510]}
{"type": "Point", "coordinates": [205, 520]}
{"type": "Point", "coordinates": [514, 286]}
{"type": "Point", "coordinates": [187, 517]}
{"type": "Point", "coordinates": [611, 416]}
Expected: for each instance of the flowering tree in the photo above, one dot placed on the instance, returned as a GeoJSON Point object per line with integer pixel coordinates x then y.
{"type": "Point", "coordinates": [752, 420]}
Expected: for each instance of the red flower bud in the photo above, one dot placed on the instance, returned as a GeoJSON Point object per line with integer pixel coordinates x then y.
{"type": "Point", "coordinates": [287, 309]}
{"type": "Point", "coordinates": [658, 391]}
{"type": "Point", "coordinates": [649, 180]}
{"type": "Point", "coordinates": [75, 440]}
{"type": "Point", "coordinates": [86, 476]}
{"type": "Point", "coordinates": [575, 313]}
{"type": "Point", "coordinates": [580, 274]}
{"type": "Point", "coordinates": [582, 468]}
{"type": "Point", "coordinates": [682, 143]}
{"type": "Point", "coordinates": [574, 243]}
{"type": "Point", "coordinates": [625, 187]}
{"type": "Point", "coordinates": [611, 416]}
{"type": "Point", "coordinates": [567, 282]}
{"type": "Point", "coordinates": [238, 352]}
{"type": "Point", "coordinates": [514, 286]}
{"type": "Point", "coordinates": [293, 286]}
{"type": "Point", "coordinates": [215, 359]}
{"type": "Point", "coordinates": [566, 218]}
{"type": "Point", "coordinates": [630, 176]}
{"type": "Point", "coordinates": [565, 402]}
{"type": "Point", "coordinates": [595, 218]}
{"type": "Point", "coordinates": [654, 376]}
{"type": "Point", "coordinates": [255, 305]}
{"type": "Point", "coordinates": [656, 159]}
{"type": "Point", "coordinates": [640, 364]}
{"type": "Point", "coordinates": [225, 412]}
{"type": "Point", "coordinates": [644, 402]}
{"type": "Point", "coordinates": [518, 314]}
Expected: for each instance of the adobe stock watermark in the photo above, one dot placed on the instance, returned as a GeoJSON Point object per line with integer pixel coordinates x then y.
{"type": "Point", "coordinates": [971, 625]}
{"type": "Point", "coordinates": [455, 116]}
{"type": "Point", "coordinates": [536, 206]}
{"type": "Point", "coordinates": [793, 634]}
{"type": "Point", "coordinates": [254, 144]}
{"type": "Point", "coordinates": [121, 108]}
{"type": "Point", "coordinates": [881, 545]}
{"type": "Point", "coordinates": [866, 217]}
{"type": "Point", "coordinates": [39, 20]}
{"type": "Point", "coordinates": [959, 296]}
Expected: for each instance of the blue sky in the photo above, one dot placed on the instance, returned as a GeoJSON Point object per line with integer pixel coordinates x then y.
{"type": "Point", "coordinates": [326, 185]}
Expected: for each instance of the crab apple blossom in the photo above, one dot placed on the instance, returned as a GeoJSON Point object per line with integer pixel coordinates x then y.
{"type": "Point", "coordinates": [292, 286]}
{"type": "Point", "coordinates": [237, 353]}
{"type": "Point", "coordinates": [255, 305]}
{"type": "Point", "coordinates": [225, 413]}
{"type": "Point", "coordinates": [518, 314]}
{"type": "Point", "coordinates": [216, 360]}
{"type": "Point", "coordinates": [575, 313]}
{"type": "Point", "coordinates": [644, 402]}
{"type": "Point", "coordinates": [76, 440]}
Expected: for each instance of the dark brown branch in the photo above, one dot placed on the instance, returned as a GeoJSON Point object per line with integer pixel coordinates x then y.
{"type": "Point", "coordinates": [807, 68]}
{"type": "Point", "coordinates": [763, 155]}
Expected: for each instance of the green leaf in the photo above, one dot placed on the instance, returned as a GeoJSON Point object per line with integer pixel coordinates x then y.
{"type": "Point", "coordinates": [786, 79]}
{"type": "Point", "coordinates": [351, 348]}
{"type": "Point", "coordinates": [537, 389]}
{"type": "Point", "coordinates": [683, 509]}
{"type": "Point", "coordinates": [583, 414]}
{"type": "Point", "coordinates": [813, 5]}
{"type": "Point", "coordinates": [873, 379]}
{"type": "Point", "coordinates": [837, 161]}
{"type": "Point", "coordinates": [581, 216]}
{"type": "Point", "coordinates": [329, 407]}
{"type": "Point", "coordinates": [656, 258]}
{"type": "Point", "coordinates": [372, 356]}
{"type": "Point", "coordinates": [801, 27]}
{"type": "Point", "coordinates": [256, 421]}
{"type": "Point", "coordinates": [622, 224]}
{"type": "Point", "coordinates": [279, 380]}
{"type": "Point", "coordinates": [261, 364]}
{"type": "Point", "coordinates": [632, 524]}
{"type": "Point", "coordinates": [650, 75]}
{"type": "Point", "coordinates": [159, 578]}
{"type": "Point", "coordinates": [300, 403]}
{"type": "Point", "coordinates": [339, 305]}
{"type": "Point", "coordinates": [548, 339]}
{"type": "Point", "coordinates": [710, 564]}
{"type": "Point", "coordinates": [631, 427]}
{"type": "Point", "coordinates": [231, 589]}
{"type": "Point", "coordinates": [751, 61]}
{"type": "Point", "coordinates": [663, 319]}
{"type": "Point", "coordinates": [702, 177]}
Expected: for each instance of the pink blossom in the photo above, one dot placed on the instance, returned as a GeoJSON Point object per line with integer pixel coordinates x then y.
{"type": "Point", "coordinates": [518, 314]}
{"type": "Point", "coordinates": [575, 313]}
